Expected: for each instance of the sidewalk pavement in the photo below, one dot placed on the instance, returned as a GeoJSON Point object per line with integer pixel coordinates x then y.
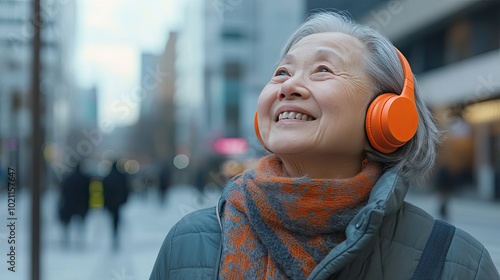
{"type": "Point", "coordinates": [145, 223]}
{"type": "Point", "coordinates": [90, 256]}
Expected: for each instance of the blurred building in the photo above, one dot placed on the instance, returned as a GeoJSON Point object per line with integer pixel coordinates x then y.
{"type": "Point", "coordinates": [165, 80]}
{"type": "Point", "coordinates": [151, 139]}
{"type": "Point", "coordinates": [356, 10]}
{"type": "Point", "coordinates": [16, 33]}
{"type": "Point", "coordinates": [84, 107]}
{"type": "Point", "coordinates": [454, 50]}
{"type": "Point", "coordinates": [227, 51]}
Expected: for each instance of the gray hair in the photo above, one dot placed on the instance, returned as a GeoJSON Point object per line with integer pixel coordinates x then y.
{"type": "Point", "coordinates": [416, 158]}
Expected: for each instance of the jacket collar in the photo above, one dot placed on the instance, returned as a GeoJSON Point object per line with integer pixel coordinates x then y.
{"type": "Point", "coordinates": [388, 193]}
{"type": "Point", "coordinates": [386, 198]}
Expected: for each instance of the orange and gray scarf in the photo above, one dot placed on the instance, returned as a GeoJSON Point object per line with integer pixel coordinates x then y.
{"type": "Point", "coordinates": [277, 227]}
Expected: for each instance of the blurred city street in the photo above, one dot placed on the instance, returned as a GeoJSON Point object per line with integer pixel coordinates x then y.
{"type": "Point", "coordinates": [146, 222]}
{"type": "Point", "coordinates": [102, 99]}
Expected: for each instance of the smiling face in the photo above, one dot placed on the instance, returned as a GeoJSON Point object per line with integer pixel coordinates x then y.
{"type": "Point", "coordinates": [311, 113]}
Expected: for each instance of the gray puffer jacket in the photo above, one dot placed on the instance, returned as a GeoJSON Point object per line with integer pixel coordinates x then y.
{"type": "Point", "coordinates": [384, 241]}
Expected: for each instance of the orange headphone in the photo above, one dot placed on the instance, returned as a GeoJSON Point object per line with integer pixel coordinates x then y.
{"type": "Point", "coordinates": [391, 119]}
{"type": "Point", "coordinates": [257, 131]}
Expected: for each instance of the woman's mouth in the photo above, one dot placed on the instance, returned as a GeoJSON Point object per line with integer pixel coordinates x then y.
{"type": "Point", "coordinates": [290, 115]}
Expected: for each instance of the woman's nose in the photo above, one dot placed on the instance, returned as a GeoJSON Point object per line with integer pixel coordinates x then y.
{"type": "Point", "coordinates": [293, 88]}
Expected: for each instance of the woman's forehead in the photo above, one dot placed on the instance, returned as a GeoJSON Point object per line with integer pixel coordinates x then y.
{"type": "Point", "coordinates": [333, 38]}
{"type": "Point", "coordinates": [329, 44]}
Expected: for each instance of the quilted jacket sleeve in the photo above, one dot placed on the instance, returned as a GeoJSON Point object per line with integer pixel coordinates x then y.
{"type": "Point", "coordinates": [486, 268]}
{"type": "Point", "coordinates": [161, 266]}
{"type": "Point", "coordinates": [191, 249]}
{"type": "Point", "coordinates": [468, 259]}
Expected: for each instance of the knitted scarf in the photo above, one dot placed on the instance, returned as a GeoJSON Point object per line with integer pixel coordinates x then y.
{"type": "Point", "coordinates": [277, 227]}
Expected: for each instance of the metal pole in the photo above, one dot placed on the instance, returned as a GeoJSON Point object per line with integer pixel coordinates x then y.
{"type": "Point", "coordinates": [37, 144]}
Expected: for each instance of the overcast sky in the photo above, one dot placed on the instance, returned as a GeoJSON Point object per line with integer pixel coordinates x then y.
{"type": "Point", "coordinates": [110, 36]}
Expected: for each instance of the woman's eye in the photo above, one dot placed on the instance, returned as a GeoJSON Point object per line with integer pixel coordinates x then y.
{"type": "Point", "coordinates": [324, 69]}
{"type": "Point", "coordinates": [281, 72]}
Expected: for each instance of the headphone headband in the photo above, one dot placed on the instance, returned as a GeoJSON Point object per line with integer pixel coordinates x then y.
{"type": "Point", "coordinates": [408, 85]}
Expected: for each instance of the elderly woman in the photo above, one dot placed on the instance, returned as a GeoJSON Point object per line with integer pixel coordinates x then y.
{"type": "Point", "coordinates": [348, 134]}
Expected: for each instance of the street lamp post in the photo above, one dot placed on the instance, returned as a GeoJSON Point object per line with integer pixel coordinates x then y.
{"type": "Point", "coordinates": [37, 143]}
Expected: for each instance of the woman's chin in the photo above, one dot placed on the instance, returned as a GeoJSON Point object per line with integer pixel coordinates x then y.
{"type": "Point", "coordinates": [288, 148]}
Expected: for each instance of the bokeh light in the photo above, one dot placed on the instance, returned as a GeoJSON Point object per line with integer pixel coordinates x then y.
{"type": "Point", "coordinates": [181, 161]}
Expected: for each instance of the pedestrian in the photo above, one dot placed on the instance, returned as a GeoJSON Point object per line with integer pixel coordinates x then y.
{"type": "Point", "coordinates": [348, 134]}
{"type": "Point", "coordinates": [115, 192]}
{"type": "Point", "coordinates": [446, 183]}
{"type": "Point", "coordinates": [164, 182]}
{"type": "Point", "coordinates": [455, 163]}
{"type": "Point", "coordinates": [74, 201]}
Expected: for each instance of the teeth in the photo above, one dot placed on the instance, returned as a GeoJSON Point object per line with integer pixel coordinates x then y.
{"type": "Point", "coordinates": [295, 115]}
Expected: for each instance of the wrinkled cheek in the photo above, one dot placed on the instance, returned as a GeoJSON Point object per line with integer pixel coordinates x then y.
{"type": "Point", "coordinates": [350, 133]}
{"type": "Point", "coordinates": [357, 135]}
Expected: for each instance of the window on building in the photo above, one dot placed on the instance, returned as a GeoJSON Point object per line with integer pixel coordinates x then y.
{"type": "Point", "coordinates": [467, 35]}
{"type": "Point", "coordinates": [232, 35]}
{"type": "Point", "coordinates": [233, 88]}
{"type": "Point", "coordinates": [434, 50]}
{"type": "Point", "coordinates": [485, 31]}
{"type": "Point", "coordinates": [458, 41]}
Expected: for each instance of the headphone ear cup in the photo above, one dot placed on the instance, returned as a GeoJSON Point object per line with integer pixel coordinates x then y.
{"type": "Point", "coordinates": [391, 121]}
{"type": "Point", "coordinates": [256, 127]}
{"type": "Point", "coordinates": [257, 130]}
